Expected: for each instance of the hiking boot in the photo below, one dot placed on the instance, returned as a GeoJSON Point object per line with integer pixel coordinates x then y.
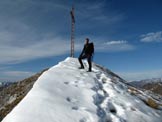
{"type": "Point", "coordinates": [81, 67]}
{"type": "Point", "coordinates": [89, 70]}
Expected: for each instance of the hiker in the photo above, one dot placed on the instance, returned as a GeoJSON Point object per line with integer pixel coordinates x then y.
{"type": "Point", "coordinates": [87, 53]}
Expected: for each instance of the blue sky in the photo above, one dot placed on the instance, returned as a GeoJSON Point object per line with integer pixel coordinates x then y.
{"type": "Point", "coordinates": [35, 34]}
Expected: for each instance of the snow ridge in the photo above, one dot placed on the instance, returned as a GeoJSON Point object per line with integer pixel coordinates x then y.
{"type": "Point", "coordinates": [66, 94]}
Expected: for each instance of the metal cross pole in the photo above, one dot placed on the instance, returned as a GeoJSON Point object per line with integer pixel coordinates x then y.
{"type": "Point", "coordinates": [72, 31]}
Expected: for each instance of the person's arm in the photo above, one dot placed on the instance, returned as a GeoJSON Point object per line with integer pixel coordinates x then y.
{"type": "Point", "coordinates": [82, 51]}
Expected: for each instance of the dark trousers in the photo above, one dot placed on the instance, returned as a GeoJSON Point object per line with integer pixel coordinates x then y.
{"type": "Point", "coordinates": [88, 59]}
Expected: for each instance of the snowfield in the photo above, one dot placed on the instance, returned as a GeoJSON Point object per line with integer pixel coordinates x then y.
{"type": "Point", "coordinates": [66, 94]}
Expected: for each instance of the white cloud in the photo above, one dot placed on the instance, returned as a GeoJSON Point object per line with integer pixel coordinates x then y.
{"type": "Point", "coordinates": [18, 73]}
{"type": "Point", "coordinates": [132, 76]}
{"type": "Point", "coordinates": [114, 46]}
{"type": "Point", "coordinates": [152, 37]}
{"type": "Point", "coordinates": [10, 53]}
{"type": "Point", "coordinates": [116, 42]}
{"type": "Point", "coordinates": [15, 75]}
{"type": "Point", "coordinates": [105, 46]}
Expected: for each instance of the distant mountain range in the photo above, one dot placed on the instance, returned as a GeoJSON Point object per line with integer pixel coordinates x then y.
{"type": "Point", "coordinates": [4, 84]}
{"type": "Point", "coordinates": [154, 85]}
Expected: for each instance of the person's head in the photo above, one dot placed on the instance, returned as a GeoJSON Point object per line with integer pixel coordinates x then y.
{"type": "Point", "coordinates": [86, 40]}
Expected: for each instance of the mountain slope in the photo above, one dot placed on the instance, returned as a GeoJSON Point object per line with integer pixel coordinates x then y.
{"type": "Point", "coordinates": [154, 85]}
{"type": "Point", "coordinates": [12, 93]}
{"type": "Point", "coordinates": [66, 94]}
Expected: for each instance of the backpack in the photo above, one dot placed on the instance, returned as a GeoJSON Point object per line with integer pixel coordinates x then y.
{"type": "Point", "coordinates": [90, 48]}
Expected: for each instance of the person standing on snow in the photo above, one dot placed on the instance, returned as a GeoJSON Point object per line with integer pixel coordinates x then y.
{"type": "Point", "coordinates": [87, 53]}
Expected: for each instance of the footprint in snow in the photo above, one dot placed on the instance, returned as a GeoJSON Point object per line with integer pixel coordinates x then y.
{"type": "Point", "coordinates": [72, 100]}
{"type": "Point", "coordinates": [98, 76]}
{"type": "Point", "coordinates": [66, 83]}
{"type": "Point", "coordinates": [111, 108]}
{"type": "Point", "coordinates": [76, 81]}
{"type": "Point", "coordinates": [104, 80]}
{"type": "Point", "coordinates": [75, 107]}
{"type": "Point", "coordinates": [83, 120]}
{"type": "Point", "coordinates": [98, 85]}
{"type": "Point", "coordinates": [84, 74]}
{"type": "Point", "coordinates": [100, 112]}
{"type": "Point", "coordinates": [74, 103]}
{"type": "Point", "coordinates": [98, 99]}
{"type": "Point", "coordinates": [68, 99]}
{"type": "Point", "coordinates": [78, 77]}
{"type": "Point", "coordinates": [105, 93]}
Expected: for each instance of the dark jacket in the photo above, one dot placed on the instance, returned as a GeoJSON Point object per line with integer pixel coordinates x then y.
{"type": "Point", "coordinates": [86, 50]}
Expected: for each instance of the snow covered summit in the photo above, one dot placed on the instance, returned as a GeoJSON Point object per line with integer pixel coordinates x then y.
{"type": "Point", "coordinates": [66, 94]}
